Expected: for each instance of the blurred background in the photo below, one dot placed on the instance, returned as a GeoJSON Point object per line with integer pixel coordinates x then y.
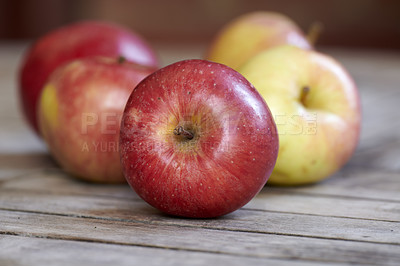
{"type": "Point", "coordinates": [347, 23]}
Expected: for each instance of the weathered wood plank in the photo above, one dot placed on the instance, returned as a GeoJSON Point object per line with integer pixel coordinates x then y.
{"type": "Point", "coordinates": [196, 239]}
{"type": "Point", "coordinates": [384, 156]}
{"type": "Point", "coordinates": [284, 201]}
{"type": "Point", "coordinates": [25, 162]}
{"type": "Point", "coordinates": [375, 191]}
{"type": "Point", "coordinates": [248, 220]}
{"type": "Point", "coordinates": [272, 201]}
{"type": "Point", "coordinates": [379, 145]}
{"type": "Point", "coordinates": [20, 151]}
{"type": "Point", "coordinates": [28, 251]}
{"type": "Point", "coordinates": [353, 182]}
{"type": "Point", "coordinates": [56, 181]}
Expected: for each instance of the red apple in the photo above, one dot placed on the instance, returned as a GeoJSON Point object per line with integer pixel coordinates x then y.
{"type": "Point", "coordinates": [74, 41]}
{"type": "Point", "coordinates": [79, 115]}
{"type": "Point", "coordinates": [197, 140]}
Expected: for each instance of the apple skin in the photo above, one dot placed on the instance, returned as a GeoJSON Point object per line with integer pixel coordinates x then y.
{"type": "Point", "coordinates": [316, 107]}
{"type": "Point", "coordinates": [251, 33]}
{"type": "Point", "coordinates": [80, 111]}
{"type": "Point", "coordinates": [223, 166]}
{"type": "Point", "coordinates": [78, 40]}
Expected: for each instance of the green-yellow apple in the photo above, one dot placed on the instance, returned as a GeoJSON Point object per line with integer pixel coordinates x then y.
{"type": "Point", "coordinates": [251, 33]}
{"type": "Point", "coordinates": [316, 107]}
{"type": "Point", "coordinates": [79, 115]}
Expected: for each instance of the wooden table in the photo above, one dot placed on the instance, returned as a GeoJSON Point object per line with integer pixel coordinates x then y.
{"type": "Point", "coordinates": [49, 218]}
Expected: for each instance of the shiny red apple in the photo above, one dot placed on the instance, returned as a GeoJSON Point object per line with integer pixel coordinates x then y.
{"type": "Point", "coordinates": [80, 112]}
{"type": "Point", "coordinates": [197, 140]}
{"type": "Point", "coordinates": [82, 39]}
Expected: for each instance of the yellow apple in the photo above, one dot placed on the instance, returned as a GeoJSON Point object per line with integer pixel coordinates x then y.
{"type": "Point", "coordinates": [316, 107]}
{"type": "Point", "coordinates": [251, 33]}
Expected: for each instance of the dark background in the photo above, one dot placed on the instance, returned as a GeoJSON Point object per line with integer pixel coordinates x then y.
{"type": "Point", "coordinates": [348, 23]}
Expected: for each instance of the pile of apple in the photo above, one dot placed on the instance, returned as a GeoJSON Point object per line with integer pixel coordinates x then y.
{"type": "Point", "coordinates": [195, 138]}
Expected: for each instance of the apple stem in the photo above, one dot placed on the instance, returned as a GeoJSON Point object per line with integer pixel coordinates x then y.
{"type": "Point", "coordinates": [314, 32]}
{"type": "Point", "coordinates": [179, 130]}
{"type": "Point", "coordinates": [121, 59]}
{"type": "Point", "coordinates": [304, 93]}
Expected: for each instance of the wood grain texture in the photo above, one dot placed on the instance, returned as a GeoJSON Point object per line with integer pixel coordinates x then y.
{"type": "Point", "coordinates": [50, 218]}
{"type": "Point", "coordinates": [190, 238]}
{"type": "Point", "coordinates": [247, 220]}
{"type": "Point", "coordinates": [72, 252]}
